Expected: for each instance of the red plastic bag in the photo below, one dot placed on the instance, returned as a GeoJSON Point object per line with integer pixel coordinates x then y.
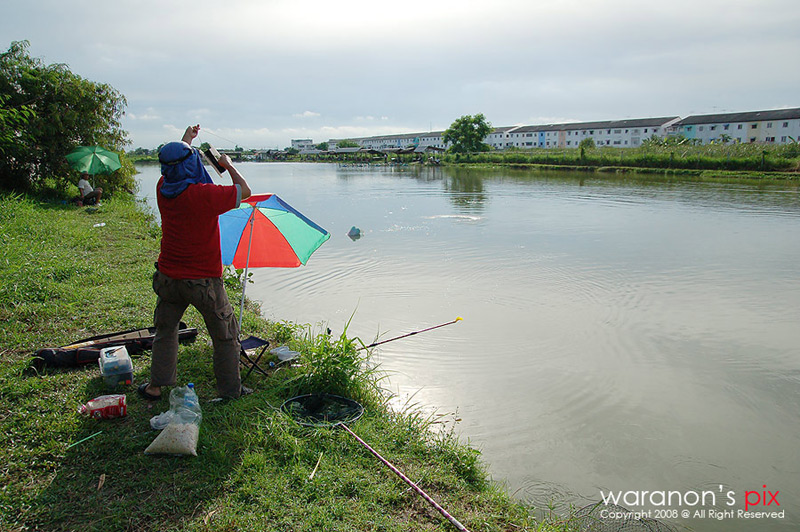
{"type": "Point", "coordinates": [106, 407]}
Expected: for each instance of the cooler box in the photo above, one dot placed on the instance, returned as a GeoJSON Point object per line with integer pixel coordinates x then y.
{"type": "Point", "coordinates": [116, 366]}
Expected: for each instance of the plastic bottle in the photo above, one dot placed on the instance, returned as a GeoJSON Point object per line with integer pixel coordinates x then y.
{"type": "Point", "coordinates": [190, 399]}
{"type": "Point", "coordinates": [106, 407]}
{"type": "Point", "coordinates": [184, 402]}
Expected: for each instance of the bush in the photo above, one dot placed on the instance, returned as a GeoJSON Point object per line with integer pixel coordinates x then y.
{"type": "Point", "coordinates": [46, 112]}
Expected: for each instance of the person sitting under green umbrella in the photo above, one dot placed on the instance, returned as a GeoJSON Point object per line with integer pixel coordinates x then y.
{"type": "Point", "coordinates": [89, 196]}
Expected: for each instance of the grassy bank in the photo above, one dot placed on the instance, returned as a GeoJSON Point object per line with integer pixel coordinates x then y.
{"type": "Point", "coordinates": [710, 161]}
{"type": "Point", "coordinates": [709, 176]}
{"type": "Point", "coordinates": [748, 158]}
{"type": "Point", "coordinates": [69, 273]}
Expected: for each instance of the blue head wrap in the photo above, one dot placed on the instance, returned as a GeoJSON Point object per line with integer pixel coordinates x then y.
{"type": "Point", "coordinates": [181, 166]}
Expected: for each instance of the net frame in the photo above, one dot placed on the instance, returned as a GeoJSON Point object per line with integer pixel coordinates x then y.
{"type": "Point", "coordinates": [349, 410]}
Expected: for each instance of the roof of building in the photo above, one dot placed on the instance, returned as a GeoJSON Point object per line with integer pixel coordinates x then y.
{"type": "Point", "coordinates": [392, 137]}
{"type": "Point", "coordinates": [605, 124]}
{"type": "Point", "coordinates": [666, 121]}
{"type": "Point", "coordinates": [503, 129]}
{"type": "Point", "coordinates": [749, 116]}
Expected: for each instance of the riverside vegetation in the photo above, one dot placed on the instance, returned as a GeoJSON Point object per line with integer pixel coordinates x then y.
{"type": "Point", "coordinates": [671, 158]}
{"type": "Point", "coordinates": [64, 277]}
{"type": "Point", "coordinates": [710, 160]}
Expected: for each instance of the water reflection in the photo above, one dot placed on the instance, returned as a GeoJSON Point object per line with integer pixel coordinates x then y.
{"type": "Point", "coordinates": [465, 189]}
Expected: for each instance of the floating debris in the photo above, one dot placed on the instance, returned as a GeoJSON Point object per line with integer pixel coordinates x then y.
{"type": "Point", "coordinates": [354, 233]}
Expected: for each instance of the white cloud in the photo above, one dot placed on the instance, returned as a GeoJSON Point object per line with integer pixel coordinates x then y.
{"type": "Point", "coordinates": [148, 115]}
{"type": "Point", "coordinates": [362, 68]}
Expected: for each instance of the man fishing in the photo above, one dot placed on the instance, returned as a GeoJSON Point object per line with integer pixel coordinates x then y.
{"type": "Point", "coordinates": [189, 267]}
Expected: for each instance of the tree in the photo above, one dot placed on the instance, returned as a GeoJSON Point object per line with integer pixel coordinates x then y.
{"type": "Point", "coordinates": [466, 134]}
{"type": "Point", "coordinates": [323, 146]}
{"type": "Point", "coordinates": [347, 144]}
{"type": "Point", "coordinates": [587, 144]}
{"type": "Point", "coordinates": [46, 112]}
{"type": "Point", "coordinates": [13, 124]}
{"type": "Point", "coordinates": [653, 141]}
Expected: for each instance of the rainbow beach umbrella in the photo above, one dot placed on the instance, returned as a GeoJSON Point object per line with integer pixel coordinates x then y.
{"type": "Point", "coordinates": [265, 231]}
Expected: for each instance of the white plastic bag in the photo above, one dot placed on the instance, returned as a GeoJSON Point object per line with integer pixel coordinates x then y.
{"type": "Point", "coordinates": [176, 438]}
{"type": "Point", "coordinates": [284, 354]}
{"type": "Point", "coordinates": [180, 424]}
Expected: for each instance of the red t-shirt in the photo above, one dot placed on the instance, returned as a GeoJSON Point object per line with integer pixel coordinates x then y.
{"type": "Point", "coordinates": [190, 246]}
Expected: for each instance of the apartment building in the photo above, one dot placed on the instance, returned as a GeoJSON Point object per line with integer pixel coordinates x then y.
{"type": "Point", "coordinates": [770, 127]}
{"type": "Point", "coordinates": [780, 126]}
{"type": "Point", "coordinates": [405, 140]}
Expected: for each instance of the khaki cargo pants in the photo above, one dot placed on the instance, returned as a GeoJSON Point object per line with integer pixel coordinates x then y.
{"type": "Point", "coordinates": [208, 296]}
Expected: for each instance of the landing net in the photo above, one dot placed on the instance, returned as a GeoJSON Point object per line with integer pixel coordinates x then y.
{"type": "Point", "coordinates": [322, 409]}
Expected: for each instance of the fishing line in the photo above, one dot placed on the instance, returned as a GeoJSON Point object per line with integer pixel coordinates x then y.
{"type": "Point", "coordinates": [215, 135]}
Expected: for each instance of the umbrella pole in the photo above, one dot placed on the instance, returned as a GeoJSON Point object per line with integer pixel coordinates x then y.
{"type": "Point", "coordinates": [246, 267]}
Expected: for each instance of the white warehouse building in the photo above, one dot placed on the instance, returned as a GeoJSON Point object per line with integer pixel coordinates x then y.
{"type": "Point", "coordinates": [780, 126]}
{"type": "Point", "coordinates": [770, 127]}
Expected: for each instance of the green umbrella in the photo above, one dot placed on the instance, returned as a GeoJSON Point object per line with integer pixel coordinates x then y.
{"type": "Point", "coordinates": [93, 160]}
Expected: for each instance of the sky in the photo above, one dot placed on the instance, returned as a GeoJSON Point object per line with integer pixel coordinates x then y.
{"type": "Point", "coordinates": [260, 73]}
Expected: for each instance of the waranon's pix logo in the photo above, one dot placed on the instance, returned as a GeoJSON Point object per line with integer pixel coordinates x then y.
{"type": "Point", "coordinates": [761, 503]}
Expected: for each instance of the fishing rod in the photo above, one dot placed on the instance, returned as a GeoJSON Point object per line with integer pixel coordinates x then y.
{"type": "Point", "coordinates": [411, 334]}
{"type": "Point", "coordinates": [331, 411]}
{"type": "Point", "coordinates": [455, 522]}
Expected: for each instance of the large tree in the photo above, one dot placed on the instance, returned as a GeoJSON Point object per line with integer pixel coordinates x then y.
{"type": "Point", "coordinates": [45, 112]}
{"type": "Point", "coordinates": [466, 134]}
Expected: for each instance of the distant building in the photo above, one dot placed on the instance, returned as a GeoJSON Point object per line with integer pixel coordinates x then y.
{"type": "Point", "coordinates": [499, 137]}
{"type": "Point", "coordinates": [302, 144]}
{"type": "Point", "coordinates": [629, 133]}
{"type": "Point", "coordinates": [780, 126]}
{"type": "Point", "coordinates": [769, 127]}
{"type": "Point", "coordinates": [405, 140]}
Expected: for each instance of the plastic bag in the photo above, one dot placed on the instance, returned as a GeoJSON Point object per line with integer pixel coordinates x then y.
{"type": "Point", "coordinates": [284, 354]}
{"type": "Point", "coordinates": [106, 407]}
{"type": "Point", "coordinates": [176, 438]}
{"type": "Point", "coordinates": [163, 419]}
{"type": "Point", "coordinates": [180, 425]}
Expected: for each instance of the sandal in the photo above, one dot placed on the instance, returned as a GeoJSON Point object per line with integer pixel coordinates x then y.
{"type": "Point", "coordinates": [142, 389]}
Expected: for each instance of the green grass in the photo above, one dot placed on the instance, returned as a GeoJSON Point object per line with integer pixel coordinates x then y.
{"type": "Point", "coordinates": [749, 161]}
{"type": "Point", "coordinates": [62, 279]}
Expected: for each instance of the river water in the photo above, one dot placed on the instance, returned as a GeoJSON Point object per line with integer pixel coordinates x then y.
{"type": "Point", "coordinates": [619, 335]}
